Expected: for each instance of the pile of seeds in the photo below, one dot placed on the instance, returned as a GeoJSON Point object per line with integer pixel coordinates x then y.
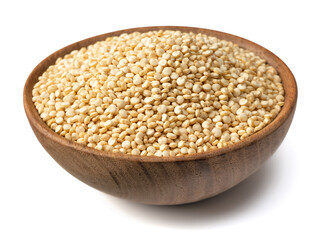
{"type": "Point", "coordinates": [161, 93]}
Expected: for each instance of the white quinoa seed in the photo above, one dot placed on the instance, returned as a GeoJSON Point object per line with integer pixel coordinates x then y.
{"type": "Point", "coordinates": [159, 93]}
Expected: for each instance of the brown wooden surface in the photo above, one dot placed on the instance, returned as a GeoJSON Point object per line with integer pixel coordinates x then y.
{"type": "Point", "coordinates": [172, 180]}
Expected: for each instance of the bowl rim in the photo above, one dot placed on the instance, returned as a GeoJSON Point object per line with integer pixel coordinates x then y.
{"type": "Point", "coordinates": [288, 81]}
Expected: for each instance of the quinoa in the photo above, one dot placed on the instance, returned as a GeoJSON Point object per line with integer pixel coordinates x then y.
{"type": "Point", "coordinates": [161, 93]}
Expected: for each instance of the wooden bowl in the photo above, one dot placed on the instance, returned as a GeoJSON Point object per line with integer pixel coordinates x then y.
{"type": "Point", "coordinates": [171, 180]}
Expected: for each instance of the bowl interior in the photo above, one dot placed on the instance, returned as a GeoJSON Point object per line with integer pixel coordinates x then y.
{"type": "Point", "coordinates": [287, 77]}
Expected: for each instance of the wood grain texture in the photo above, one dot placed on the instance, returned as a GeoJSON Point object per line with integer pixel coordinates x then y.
{"type": "Point", "coordinates": [172, 180]}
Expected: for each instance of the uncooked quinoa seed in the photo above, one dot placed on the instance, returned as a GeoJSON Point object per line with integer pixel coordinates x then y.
{"type": "Point", "coordinates": [161, 93]}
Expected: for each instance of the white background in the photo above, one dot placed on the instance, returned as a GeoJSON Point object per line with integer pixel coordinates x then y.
{"type": "Point", "coordinates": [286, 199]}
